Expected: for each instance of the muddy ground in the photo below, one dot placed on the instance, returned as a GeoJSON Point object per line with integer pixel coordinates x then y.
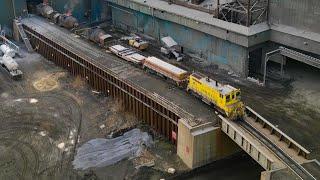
{"type": "Point", "coordinates": [48, 114]}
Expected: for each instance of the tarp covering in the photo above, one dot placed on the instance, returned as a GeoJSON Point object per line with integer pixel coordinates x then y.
{"type": "Point", "coordinates": [103, 152]}
{"type": "Point", "coordinates": [169, 42]}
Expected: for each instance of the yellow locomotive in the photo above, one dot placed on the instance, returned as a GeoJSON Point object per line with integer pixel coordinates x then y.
{"type": "Point", "coordinates": [225, 98]}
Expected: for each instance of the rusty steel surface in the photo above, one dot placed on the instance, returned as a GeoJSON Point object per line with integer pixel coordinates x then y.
{"type": "Point", "coordinates": [108, 78]}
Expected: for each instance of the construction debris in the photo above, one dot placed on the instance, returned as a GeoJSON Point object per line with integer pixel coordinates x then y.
{"type": "Point", "coordinates": [146, 159]}
{"type": "Point", "coordinates": [256, 81]}
{"type": "Point", "coordinates": [171, 48]}
{"type": "Point", "coordinates": [171, 170]}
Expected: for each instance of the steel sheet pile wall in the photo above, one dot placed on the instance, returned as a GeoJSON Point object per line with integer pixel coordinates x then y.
{"type": "Point", "coordinates": [151, 109]}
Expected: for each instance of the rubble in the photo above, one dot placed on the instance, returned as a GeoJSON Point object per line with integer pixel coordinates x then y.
{"type": "Point", "coordinates": [256, 81]}
{"type": "Point", "coordinates": [146, 159]}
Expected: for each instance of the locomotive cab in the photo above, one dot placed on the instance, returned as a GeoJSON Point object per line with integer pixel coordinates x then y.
{"type": "Point", "coordinates": [233, 106]}
{"type": "Point", "coordinates": [224, 98]}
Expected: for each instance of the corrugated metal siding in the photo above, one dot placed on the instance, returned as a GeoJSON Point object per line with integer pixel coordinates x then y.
{"type": "Point", "coordinates": [217, 51]}
{"type": "Point", "coordinates": [96, 11]}
{"type": "Point", "coordinates": [302, 14]}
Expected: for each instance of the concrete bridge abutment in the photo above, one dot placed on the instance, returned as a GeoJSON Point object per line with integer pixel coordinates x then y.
{"type": "Point", "coordinates": [202, 144]}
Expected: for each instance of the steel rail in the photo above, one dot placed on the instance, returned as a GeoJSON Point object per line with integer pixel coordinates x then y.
{"type": "Point", "coordinates": [300, 171]}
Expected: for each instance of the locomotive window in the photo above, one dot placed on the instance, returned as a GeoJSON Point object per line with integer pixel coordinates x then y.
{"type": "Point", "coordinates": [228, 98]}
{"type": "Point", "coordinates": [238, 94]}
{"type": "Point", "coordinates": [232, 96]}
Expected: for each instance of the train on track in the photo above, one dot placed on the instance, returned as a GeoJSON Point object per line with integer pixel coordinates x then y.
{"type": "Point", "coordinates": [225, 98]}
{"type": "Point", "coordinates": [63, 20]}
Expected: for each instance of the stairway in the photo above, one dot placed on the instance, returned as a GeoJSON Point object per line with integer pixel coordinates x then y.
{"type": "Point", "coordinates": [23, 35]}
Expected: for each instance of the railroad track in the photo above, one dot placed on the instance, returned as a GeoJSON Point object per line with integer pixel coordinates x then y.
{"type": "Point", "coordinates": [162, 115]}
{"type": "Point", "coordinates": [300, 171]}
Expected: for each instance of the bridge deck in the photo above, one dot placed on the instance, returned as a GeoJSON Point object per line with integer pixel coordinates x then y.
{"type": "Point", "coordinates": [250, 144]}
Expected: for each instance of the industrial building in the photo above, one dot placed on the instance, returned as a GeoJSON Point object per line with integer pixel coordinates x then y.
{"type": "Point", "coordinates": [206, 80]}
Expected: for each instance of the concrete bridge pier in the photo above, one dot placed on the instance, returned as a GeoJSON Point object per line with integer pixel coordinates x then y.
{"type": "Point", "coordinates": [202, 144]}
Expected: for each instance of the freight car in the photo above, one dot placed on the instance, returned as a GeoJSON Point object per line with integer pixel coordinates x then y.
{"type": "Point", "coordinates": [176, 74]}
{"type": "Point", "coordinates": [11, 66]}
{"type": "Point", "coordinates": [45, 10]}
{"type": "Point", "coordinates": [225, 98]}
{"type": "Point", "coordinates": [152, 64]}
{"type": "Point", "coordinates": [127, 54]}
{"type": "Point", "coordinates": [99, 36]}
{"type": "Point", "coordinates": [67, 21]}
{"type": "Point", "coordinates": [64, 20]}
